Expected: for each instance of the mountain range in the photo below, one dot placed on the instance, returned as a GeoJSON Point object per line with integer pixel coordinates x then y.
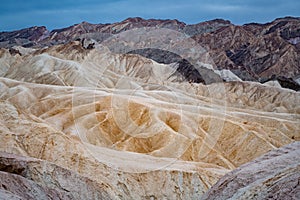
{"type": "Point", "coordinates": [151, 109]}
{"type": "Point", "coordinates": [253, 52]}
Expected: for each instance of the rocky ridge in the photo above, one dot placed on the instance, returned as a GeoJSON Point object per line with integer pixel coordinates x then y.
{"type": "Point", "coordinates": [253, 52]}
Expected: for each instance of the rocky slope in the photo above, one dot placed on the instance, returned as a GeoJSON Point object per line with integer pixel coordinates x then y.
{"type": "Point", "coordinates": [275, 175]}
{"type": "Point", "coordinates": [27, 37]}
{"type": "Point", "coordinates": [257, 52]}
{"type": "Point", "coordinates": [137, 115]}
{"type": "Point", "coordinates": [29, 178]}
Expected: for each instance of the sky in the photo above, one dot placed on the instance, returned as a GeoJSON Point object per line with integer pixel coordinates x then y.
{"type": "Point", "coordinates": [18, 14]}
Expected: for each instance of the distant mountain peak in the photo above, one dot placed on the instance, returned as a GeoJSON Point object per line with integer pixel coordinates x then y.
{"type": "Point", "coordinates": [254, 52]}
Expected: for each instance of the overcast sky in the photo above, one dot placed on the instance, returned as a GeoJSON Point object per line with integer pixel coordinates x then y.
{"type": "Point", "coordinates": [17, 14]}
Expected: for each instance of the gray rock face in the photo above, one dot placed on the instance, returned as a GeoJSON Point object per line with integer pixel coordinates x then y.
{"type": "Point", "coordinates": [275, 175]}
{"type": "Point", "coordinates": [17, 187]}
{"type": "Point", "coordinates": [185, 68]}
{"type": "Point", "coordinates": [29, 178]}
